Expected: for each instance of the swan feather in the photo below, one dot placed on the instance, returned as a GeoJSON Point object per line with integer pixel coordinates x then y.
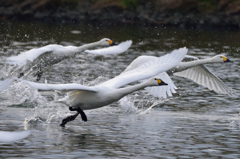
{"type": "Point", "coordinates": [208, 79]}
{"type": "Point", "coordinates": [120, 48]}
{"type": "Point", "coordinates": [147, 70]}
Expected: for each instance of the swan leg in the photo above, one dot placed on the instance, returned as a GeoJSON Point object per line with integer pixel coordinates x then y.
{"type": "Point", "coordinates": [69, 118]}
{"type": "Point", "coordinates": [80, 111]}
{"type": "Point", "coordinates": [73, 117]}
{"type": "Point", "coordinates": [20, 75]}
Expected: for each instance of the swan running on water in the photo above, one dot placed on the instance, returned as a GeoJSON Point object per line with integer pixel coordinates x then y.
{"type": "Point", "coordinates": [40, 58]}
{"type": "Point", "coordinates": [80, 97]}
{"type": "Point", "coordinates": [194, 69]}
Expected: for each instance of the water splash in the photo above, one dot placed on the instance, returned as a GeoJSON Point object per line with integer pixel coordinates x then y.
{"type": "Point", "coordinates": [127, 106]}
{"type": "Point", "coordinates": [54, 112]}
{"type": "Point", "coordinates": [132, 105]}
{"type": "Point", "coordinates": [47, 114]}
{"type": "Point", "coordinates": [19, 93]}
{"type": "Point", "coordinates": [41, 110]}
{"type": "Point", "coordinates": [44, 110]}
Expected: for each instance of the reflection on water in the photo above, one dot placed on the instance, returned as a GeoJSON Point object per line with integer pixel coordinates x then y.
{"type": "Point", "coordinates": [194, 123]}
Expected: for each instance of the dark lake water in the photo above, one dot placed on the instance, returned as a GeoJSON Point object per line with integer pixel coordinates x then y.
{"type": "Point", "coordinates": [195, 123]}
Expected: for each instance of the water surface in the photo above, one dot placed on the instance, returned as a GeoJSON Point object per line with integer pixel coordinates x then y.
{"type": "Point", "coordinates": [195, 123]}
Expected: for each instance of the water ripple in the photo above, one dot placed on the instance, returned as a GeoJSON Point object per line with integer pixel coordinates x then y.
{"type": "Point", "coordinates": [194, 123]}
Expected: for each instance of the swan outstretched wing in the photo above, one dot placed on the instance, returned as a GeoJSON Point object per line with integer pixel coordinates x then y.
{"type": "Point", "coordinates": [140, 60]}
{"type": "Point", "coordinates": [60, 87]}
{"type": "Point", "coordinates": [23, 58]}
{"type": "Point", "coordinates": [203, 76]}
{"type": "Point", "coordinates": [120, 48]}
{"type": "Point", "coordinates": [149, 69]}
{"type": "Point", "coordinates": [8, 136]}
{"type": "Point", "coordinates": [29, 56]}
{"type": "Point", "coordinates": [190, 58]}
{"type": "Point", "coordinates": [165, 91]}
{"type": "Point", "coordinates": [144, 59]}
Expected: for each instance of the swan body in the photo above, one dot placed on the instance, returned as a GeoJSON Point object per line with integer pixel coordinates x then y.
{"type": "Point", "coordinates": [80, 97]}
{"type": "Point", "coordinates": [38, 58]}
{"type": "Point", "coordinates": [104, 95]}
{"type": "Point", "coordinates": [194, 70]}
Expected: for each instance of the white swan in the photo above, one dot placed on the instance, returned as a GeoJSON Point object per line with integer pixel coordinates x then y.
{"type": "Point", "coordinates": [39, 58]}
{"type": "Point", "coordinates": [194, 70]}
{"type": "Point", "coordinates": [10, 136]}
{"type": "Point", "coordinates": [81, 97]}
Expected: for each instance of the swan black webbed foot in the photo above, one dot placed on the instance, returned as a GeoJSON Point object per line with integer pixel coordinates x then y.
{"type": "Point", "coordinates": [69, 118]}
{"type": "Point", "coordinates": [80, 111]}
{"type": "Point", "coordinates": [73, 117]}
{"type": "Point", "coordinates": [20, 75]}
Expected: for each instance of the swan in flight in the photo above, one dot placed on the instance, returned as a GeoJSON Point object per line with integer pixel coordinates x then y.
{"type": "Point", "coordinates": [80, 97]}
{"type": "Point", "coordinates": [193, 69]}
{"type": "Point", "coordinates": [10, 136]}
{"type": "Point", "coordinates": [43, 57]}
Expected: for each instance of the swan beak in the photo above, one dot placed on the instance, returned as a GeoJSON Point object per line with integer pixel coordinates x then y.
{"type": "Point", "coordinates": [111, 43]}
{"type": "Point", "coordinates": [163, 83]}
{"type": "Point", "coordinates": [228, 61]}
{"type": "Point", "coordinates": [160, 82]}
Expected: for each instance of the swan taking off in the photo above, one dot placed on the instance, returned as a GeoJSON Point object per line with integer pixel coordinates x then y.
{"type": "Point", "coordinates": [194, 69]}
{"type": "Point", "coordinates": [40, 58]}
{"type": "Point", "coordinates": [80, 97]}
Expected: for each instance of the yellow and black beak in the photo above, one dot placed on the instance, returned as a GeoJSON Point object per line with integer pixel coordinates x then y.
{"type": "Point", "coordinates": [225, 59]}
{"type": "Point", "coordinates": [111, 43]}
{"type": "Point", "coordinates": [160, 82]}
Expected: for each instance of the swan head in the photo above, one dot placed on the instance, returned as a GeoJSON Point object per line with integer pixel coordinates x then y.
{"type": "Point", "coordinates": [156, 82]}
{"type": "Point", "coordinates": [107, 42]}
{"type": "Point", "coordinates": [221, 58]}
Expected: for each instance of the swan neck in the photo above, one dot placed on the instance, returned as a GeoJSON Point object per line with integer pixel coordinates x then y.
{"type": "Point", "coordinates": [127, 90]}
{"type": "Point", "coordinates": [87, 46]}
{"type": "Point", "coordinates": [186, 65]}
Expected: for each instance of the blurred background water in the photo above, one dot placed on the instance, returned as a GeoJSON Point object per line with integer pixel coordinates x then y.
{"type": "Point", "coordinates": [194, 123]}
